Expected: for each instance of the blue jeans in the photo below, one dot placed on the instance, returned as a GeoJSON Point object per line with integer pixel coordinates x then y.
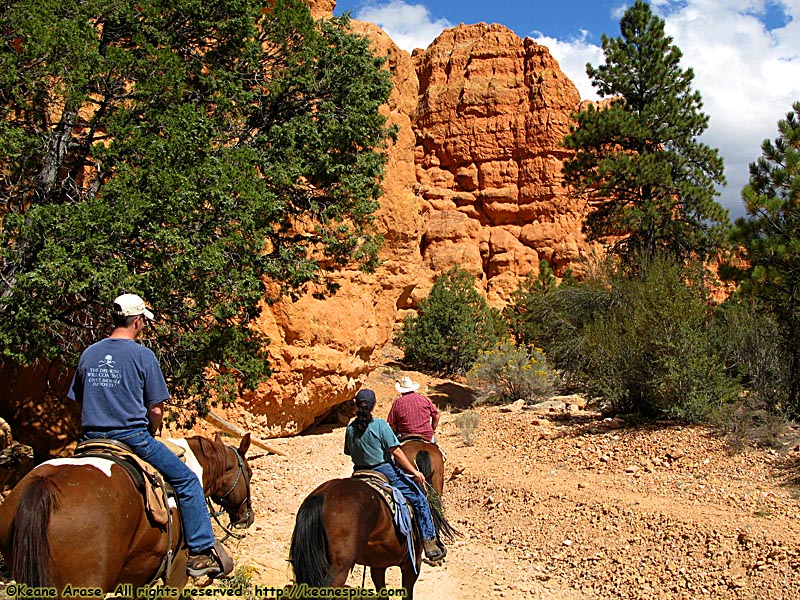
{"type": "Point", "coordinates": [414, 495]}
{"type": "Point", "coordinates": [191, 498]}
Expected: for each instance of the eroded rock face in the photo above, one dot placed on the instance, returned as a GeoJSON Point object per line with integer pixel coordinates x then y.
{"type": "Point", "coordinates": [321, 8]}
{"type": "Point", "coordinates": [474, 179]}
{"type": "Point", "coordinates": [492, 112]}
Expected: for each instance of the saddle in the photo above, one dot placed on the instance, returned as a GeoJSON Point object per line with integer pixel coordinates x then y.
{"type": "Point", "coordinates": [380, 484]}
{"type": "Point", "coordinates": [155, 491]}
{"type": "Point", "coordinates": [413, 437]}
{"type": "Point", "coordinates": [401, 509]}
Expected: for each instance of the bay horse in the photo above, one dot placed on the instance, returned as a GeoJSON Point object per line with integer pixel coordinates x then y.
{"type": "Point", "coordinates": [82, 522]}
{"type": "Point", "coordinates": [345, 522]}
{"type": "Point", "coordinates": [429, 459]}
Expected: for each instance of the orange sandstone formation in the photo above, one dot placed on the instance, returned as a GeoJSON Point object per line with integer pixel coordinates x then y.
{"type": "Point", "coordinates": [474, 179]}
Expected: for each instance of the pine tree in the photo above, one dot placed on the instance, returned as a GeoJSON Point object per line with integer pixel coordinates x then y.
{"type": "Point", "coordinates": [637, 155]}
{"type": "Point", "coordinates": [769, 237]}
{"type": "Point", "coordinates": [185, 151]}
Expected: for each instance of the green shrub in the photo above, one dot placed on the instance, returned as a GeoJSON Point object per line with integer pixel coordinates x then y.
{"type": "Point", "coordinates": [241, 582]}
{"type": "Point", "coordinates": [749, 338]}
{"type": "Point", "coordinates": [554, 317]}
{"type": "Point", "coordinates": [639, 339]}
{"type": "Point", "coordinates": [749, 422]}
{"type": "Point", "coordinates": [652, 352]}
{"type": "Point", "coordinates": [509, 373]}
{"type": "Point", "coordinates": [452, 326]}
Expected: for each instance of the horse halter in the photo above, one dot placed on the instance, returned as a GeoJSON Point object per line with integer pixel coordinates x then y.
{"type": "Point", "coordinates": [240, 474]}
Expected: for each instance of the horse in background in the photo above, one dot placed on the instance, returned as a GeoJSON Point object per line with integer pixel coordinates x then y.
{"type": "Point", "coordinates": [82, 521]}
{"type": "Point", "coordinates": [429, 459]}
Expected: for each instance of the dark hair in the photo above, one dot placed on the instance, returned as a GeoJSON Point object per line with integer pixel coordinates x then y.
{"type": "Point", "coordinates": [363, 418]}
{"type": "Point", "coordinates": [122, 320]}
{"type": "Point", "coordinates": [365, 402]}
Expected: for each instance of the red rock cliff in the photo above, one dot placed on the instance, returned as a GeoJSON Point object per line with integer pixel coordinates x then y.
{"type": "Point", "coordinates": [473, 179]}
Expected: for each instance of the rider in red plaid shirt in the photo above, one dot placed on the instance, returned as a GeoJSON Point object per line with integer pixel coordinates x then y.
{"type": "Point", "coordinates": [412, 414]}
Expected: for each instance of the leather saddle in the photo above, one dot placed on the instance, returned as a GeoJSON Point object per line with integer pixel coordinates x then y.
{"type": "Point", "coordinates": [413, 437]}
{"type": "Point", "coordinates": [402, 512]}
{"type": "Point", "coordinates": [378, 481]}
{"type": "Point", "coordinates": [150, 483]}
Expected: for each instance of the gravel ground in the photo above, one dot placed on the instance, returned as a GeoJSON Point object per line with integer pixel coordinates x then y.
{"type": "Point", "coordinates": [565, 505]}
{"type": "Point", "coordinates": [569, 506]}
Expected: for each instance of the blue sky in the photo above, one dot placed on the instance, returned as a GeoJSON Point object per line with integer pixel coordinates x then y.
{"type": "Point", "coordinates": [745, 54]}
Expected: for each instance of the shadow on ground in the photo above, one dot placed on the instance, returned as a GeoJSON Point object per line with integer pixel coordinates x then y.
{"type": "Point", "coordinates": [452, 396]}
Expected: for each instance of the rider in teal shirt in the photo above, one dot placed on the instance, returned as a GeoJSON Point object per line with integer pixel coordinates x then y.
{"type": "Point", "coordinates": [372, 444]}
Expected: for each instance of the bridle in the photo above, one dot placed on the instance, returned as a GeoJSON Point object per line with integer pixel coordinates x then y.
{"type": "Point", "coordinates": [240, 474]}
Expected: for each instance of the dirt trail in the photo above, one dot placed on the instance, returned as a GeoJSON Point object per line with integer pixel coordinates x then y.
{"type": "Point", "coordinates": [568, 508]}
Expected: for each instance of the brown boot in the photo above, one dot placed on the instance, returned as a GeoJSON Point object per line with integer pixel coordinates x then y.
{"type": "Point", "coordinates": [203, 565]}
{"type": "Point", "coordinates": [433, 551]}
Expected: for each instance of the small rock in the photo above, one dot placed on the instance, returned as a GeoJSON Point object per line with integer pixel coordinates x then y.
{"type": "Point", "coordinates": [513, 407]}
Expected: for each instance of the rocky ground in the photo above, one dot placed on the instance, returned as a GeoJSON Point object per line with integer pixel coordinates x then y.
{"type": "Point", "coordinates": [568, 505]}
{"type": "Point", "coordinates": [564, 504]}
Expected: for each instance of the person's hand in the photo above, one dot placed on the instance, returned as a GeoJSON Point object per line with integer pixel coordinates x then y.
{"type": "Point", "coordinates": [419, 478]}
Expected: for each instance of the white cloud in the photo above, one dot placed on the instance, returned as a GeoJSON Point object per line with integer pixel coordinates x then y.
{"type": "Point", "coordinates": [747, 74]}
{"type": "Point", "coordinates": [409, 25]}
{"type": "Point", "coordinates": [572, 55]}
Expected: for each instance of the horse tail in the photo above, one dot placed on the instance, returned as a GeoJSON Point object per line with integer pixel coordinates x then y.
{"type": "Point", "coordinates": [308, 552]}
{"type": "Point", "coordinates": [443, 527]}
{"type": "Point", "coordinates": [423, 461]}
{"type": "Point", "coordinates": [30, 545]}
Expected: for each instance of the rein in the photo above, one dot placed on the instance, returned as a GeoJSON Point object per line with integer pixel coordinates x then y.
{"type": "Point", "coordinates": [221, 499]}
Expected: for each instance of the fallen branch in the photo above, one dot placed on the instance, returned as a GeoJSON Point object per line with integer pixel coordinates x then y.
{"type": "Point", "coordinates": [238, 431]}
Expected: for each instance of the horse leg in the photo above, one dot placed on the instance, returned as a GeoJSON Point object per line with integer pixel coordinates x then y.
{"type": "Point", "coordinates": [339, 573]}
{"type": "Point", "coordinates": [409, 578]}
{"type": "Point", "coordinates": [378, 577]}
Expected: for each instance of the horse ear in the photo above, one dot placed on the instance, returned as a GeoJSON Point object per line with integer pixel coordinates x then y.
{"type": "Point", "coordinates": [218, 439]}
{"type": "Point", "coordinates": [244, 445]}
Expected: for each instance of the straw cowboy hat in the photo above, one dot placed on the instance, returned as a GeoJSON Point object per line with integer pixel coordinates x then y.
{"type": "Point", "coordinates": [405, 385]}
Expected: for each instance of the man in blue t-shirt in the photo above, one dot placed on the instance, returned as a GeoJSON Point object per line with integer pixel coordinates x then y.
{"type": "Point", "coordinates": [121, 389]}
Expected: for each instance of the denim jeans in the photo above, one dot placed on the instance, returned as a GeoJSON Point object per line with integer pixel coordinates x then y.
{"type": "Point", "coordinates": [191, 498]}
{"type": "Point", "coordinates": [413, 494]}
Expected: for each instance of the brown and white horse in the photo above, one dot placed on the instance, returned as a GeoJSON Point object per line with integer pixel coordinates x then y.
{"type": "Point", "coordinates": [83, 523]}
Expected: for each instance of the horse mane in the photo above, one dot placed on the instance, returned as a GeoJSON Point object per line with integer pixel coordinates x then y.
{"type": "Point", "coordinates": [31, 546]}
{"type": "Point", "coordinates": [213, 455]}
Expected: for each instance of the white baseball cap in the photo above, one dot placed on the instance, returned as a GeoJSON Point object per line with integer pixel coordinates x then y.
{"type": "Point", "coordinates": [130, 305]}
